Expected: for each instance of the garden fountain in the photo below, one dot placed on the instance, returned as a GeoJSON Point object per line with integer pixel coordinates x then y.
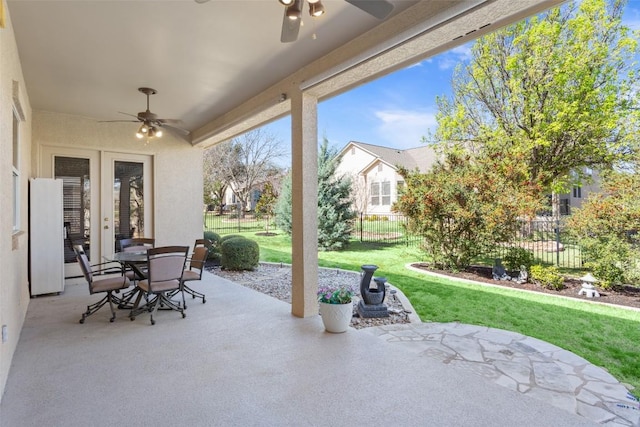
{"type": "Point", "coordinates": [372, 302]}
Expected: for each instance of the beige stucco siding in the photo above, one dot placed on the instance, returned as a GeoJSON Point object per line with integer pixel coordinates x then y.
{"type": "Point", "coordinates": [14, 290]}
{"type": "Point", "coordinates": [177, 210]}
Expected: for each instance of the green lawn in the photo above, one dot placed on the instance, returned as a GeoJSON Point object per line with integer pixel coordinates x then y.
{"type": "Point", "coordinates": [605, 336]}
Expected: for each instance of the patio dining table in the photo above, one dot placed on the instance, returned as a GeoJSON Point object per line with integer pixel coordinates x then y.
{"type": "Point", "coordinates": [135, 260]}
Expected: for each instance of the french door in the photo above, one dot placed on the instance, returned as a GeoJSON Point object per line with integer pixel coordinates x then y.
{"type": "Point", "coordinates": [126, 198]}
{"type": "Point", "coordinates": [107, 196]}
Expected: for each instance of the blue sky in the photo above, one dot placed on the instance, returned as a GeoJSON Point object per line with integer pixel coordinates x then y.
{"type": "Point", "coordinates": [399, 109]}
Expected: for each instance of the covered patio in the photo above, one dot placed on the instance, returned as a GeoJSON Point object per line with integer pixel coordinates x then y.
{"type": "Point", "coordinates": [219, 68]}
{"type": "Point", "coordinates": [240, 359]}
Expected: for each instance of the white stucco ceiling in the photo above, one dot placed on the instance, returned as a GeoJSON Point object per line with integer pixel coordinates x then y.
{"type": "Point", "coordinates": [89, 57]}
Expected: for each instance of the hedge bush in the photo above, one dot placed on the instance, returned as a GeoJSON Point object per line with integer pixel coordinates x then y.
{"type": "Point", "coordinates": [239, 253]}
{"type": "Point", "coordinates": [214, 251]}
{"type": "Point", "coordinates": [547, 277]}
{"type": "Point", "coordinates": [230, 236]}
{"type": "Point", "coordinates": [517, 256]}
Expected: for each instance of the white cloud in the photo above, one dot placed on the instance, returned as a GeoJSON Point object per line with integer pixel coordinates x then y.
{"type": "Point", "coordinates": [631, 17]}
{"type": "Point", "coordinates": [455, 56]}
{"type": "Point", "coordinates": [405, 128]}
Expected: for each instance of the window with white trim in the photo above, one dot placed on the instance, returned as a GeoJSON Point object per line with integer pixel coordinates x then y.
{"type": "Point", "coordinates": [375, 193]}
{"type": "Point", "coordinates": [16, 171]}
{"type": "Point", "coordinates": [386, 193]}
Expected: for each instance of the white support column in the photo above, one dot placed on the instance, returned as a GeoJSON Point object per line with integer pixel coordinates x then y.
{"type": "Point", "coordinates": [304, 195]}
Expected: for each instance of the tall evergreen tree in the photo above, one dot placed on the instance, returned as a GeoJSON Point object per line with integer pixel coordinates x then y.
{"type": "Point", "coordinates": [283, 206]}
{"type": "Point", "coordinates": [335, 216]}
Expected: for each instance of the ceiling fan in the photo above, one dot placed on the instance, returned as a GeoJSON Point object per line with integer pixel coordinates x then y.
{"type": "Point", "coordinates": [151, 126]}
{"type": "Point", "coordinates": [293, 13]}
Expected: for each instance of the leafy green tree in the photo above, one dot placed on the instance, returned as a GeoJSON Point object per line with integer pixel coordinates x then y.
{"type": "Point", "coordinates": [335, 216]}
{"type": "Point", "coordinates": [607, 227]}
{"type": "Point", "coordinates": [555, 92]}
{"type": "Point", "coordinates": [463, 206]}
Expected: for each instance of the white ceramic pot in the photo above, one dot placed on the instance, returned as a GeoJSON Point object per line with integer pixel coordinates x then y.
{"type": "Point", "coordinates": [336, 317]}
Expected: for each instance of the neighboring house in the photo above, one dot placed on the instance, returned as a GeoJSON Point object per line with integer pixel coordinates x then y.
{"type": "Point", "coordinates": [578, 195]}
{"type": "Point", "coordinates": [231, 200]}
{"type": "Point", "coordinates": [374, 171]}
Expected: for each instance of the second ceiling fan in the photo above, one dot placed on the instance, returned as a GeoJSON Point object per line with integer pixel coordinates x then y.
{"type": "Point", "coordinates": [293, 13]}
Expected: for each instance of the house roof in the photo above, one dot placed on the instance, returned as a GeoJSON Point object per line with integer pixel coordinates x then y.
{"type": "Point", "coordinates": [421, 158]}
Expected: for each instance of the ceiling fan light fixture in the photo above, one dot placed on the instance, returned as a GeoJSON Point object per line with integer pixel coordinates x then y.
{"type": "Point", "coordinates": [152, 132]}
{"type": "Point", "coordinates": [159, 133]}
{"type": "Point", "coordinates": [142, 131]}
{"type": "Point", "coordinates": [286, 2]}
{"type": "Point", "coordinates": [316, 8]}
{"type": "Point", "coordinates": [295, 10]}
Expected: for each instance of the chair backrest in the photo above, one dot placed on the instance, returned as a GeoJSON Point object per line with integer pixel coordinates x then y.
{"type": "Point", "coordinates": [137, 244]}
{"type": "Point", "coordinates": [84, 263]}
{"type": "Point", "coordinates": [166, 263]}
{"type": "Point", "coordinates": [199, 258]}
{"type": "Point", "coordinates": [203, 242]}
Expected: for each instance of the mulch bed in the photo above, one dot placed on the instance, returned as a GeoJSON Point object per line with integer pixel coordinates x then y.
{"type": "Point", "coordinates": [627, 296]}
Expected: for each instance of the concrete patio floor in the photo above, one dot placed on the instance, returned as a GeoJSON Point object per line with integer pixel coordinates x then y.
{"type": "Point", "coordinates": [241, 359]}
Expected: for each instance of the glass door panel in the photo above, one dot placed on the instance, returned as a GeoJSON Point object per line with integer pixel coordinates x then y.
{"type": "Point", "coordinates": [126, 204]}
{"type": "Point", "coordinates": [76, 194]}
{"type": "Point", "coordinates": [128, 200]}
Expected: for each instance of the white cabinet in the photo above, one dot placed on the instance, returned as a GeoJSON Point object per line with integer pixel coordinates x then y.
{"type": "Point", "coordinates": [46, 236]}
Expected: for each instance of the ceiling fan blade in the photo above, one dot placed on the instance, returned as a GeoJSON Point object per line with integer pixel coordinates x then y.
{"type": "Point", "coordinates": [175, 129]}
{"type": "Point", "coordinates": [290, 29]}
{"type": "Point", "coordinates": [127, 114]}
{"type": "Point", "coordinates": [378, 8]}
{"type": "Point", "coordinates": [170, 121]}
{"type": "Point", "coordinates": [118, 121]}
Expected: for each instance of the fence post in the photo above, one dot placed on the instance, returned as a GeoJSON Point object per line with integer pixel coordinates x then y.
{"type": "Point", "coordinates": [361, 234]}
{"type": "Point", "coordinates": [557, 242]}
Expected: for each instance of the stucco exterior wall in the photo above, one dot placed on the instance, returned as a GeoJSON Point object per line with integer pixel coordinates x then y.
{"type": "Point", "coordinates": [14, 288]}
{"type": "Point", "coordinates": [177, 174]}
{"type": "Point", "coordinates": [177, 168]}
{"type": "Point", "coordinates": [353, 160]}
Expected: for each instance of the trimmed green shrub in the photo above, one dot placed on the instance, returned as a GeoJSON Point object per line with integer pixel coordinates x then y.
{"type": "Point", "coordinates": [609, 274]}
{"type": "Point", "coordinates": [239, 253]}
{"type": "Point", "coordinates": [547, 277]}
{"type": "Point", "coordinates": [230, 236]}
{"type": "Point", "coordinates": [517, 256]}
{"type": "Point", "coordinates": [612, 260]}
{"type": "Point", "coordinates": [214, 251]}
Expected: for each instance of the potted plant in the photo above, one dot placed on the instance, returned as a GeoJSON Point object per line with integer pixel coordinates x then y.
{"type": "Point", "coordinates": [336, 307]}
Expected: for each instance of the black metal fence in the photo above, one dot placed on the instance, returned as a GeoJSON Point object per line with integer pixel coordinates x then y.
{"type": "Point", "coordinates": [546, 238]}
{"type": "Point", "coordinates": [383, 228]}
{"type": "Point", "coordinates": [233, 223]}
{"type": "Point", "coordinates": [549, 241]}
